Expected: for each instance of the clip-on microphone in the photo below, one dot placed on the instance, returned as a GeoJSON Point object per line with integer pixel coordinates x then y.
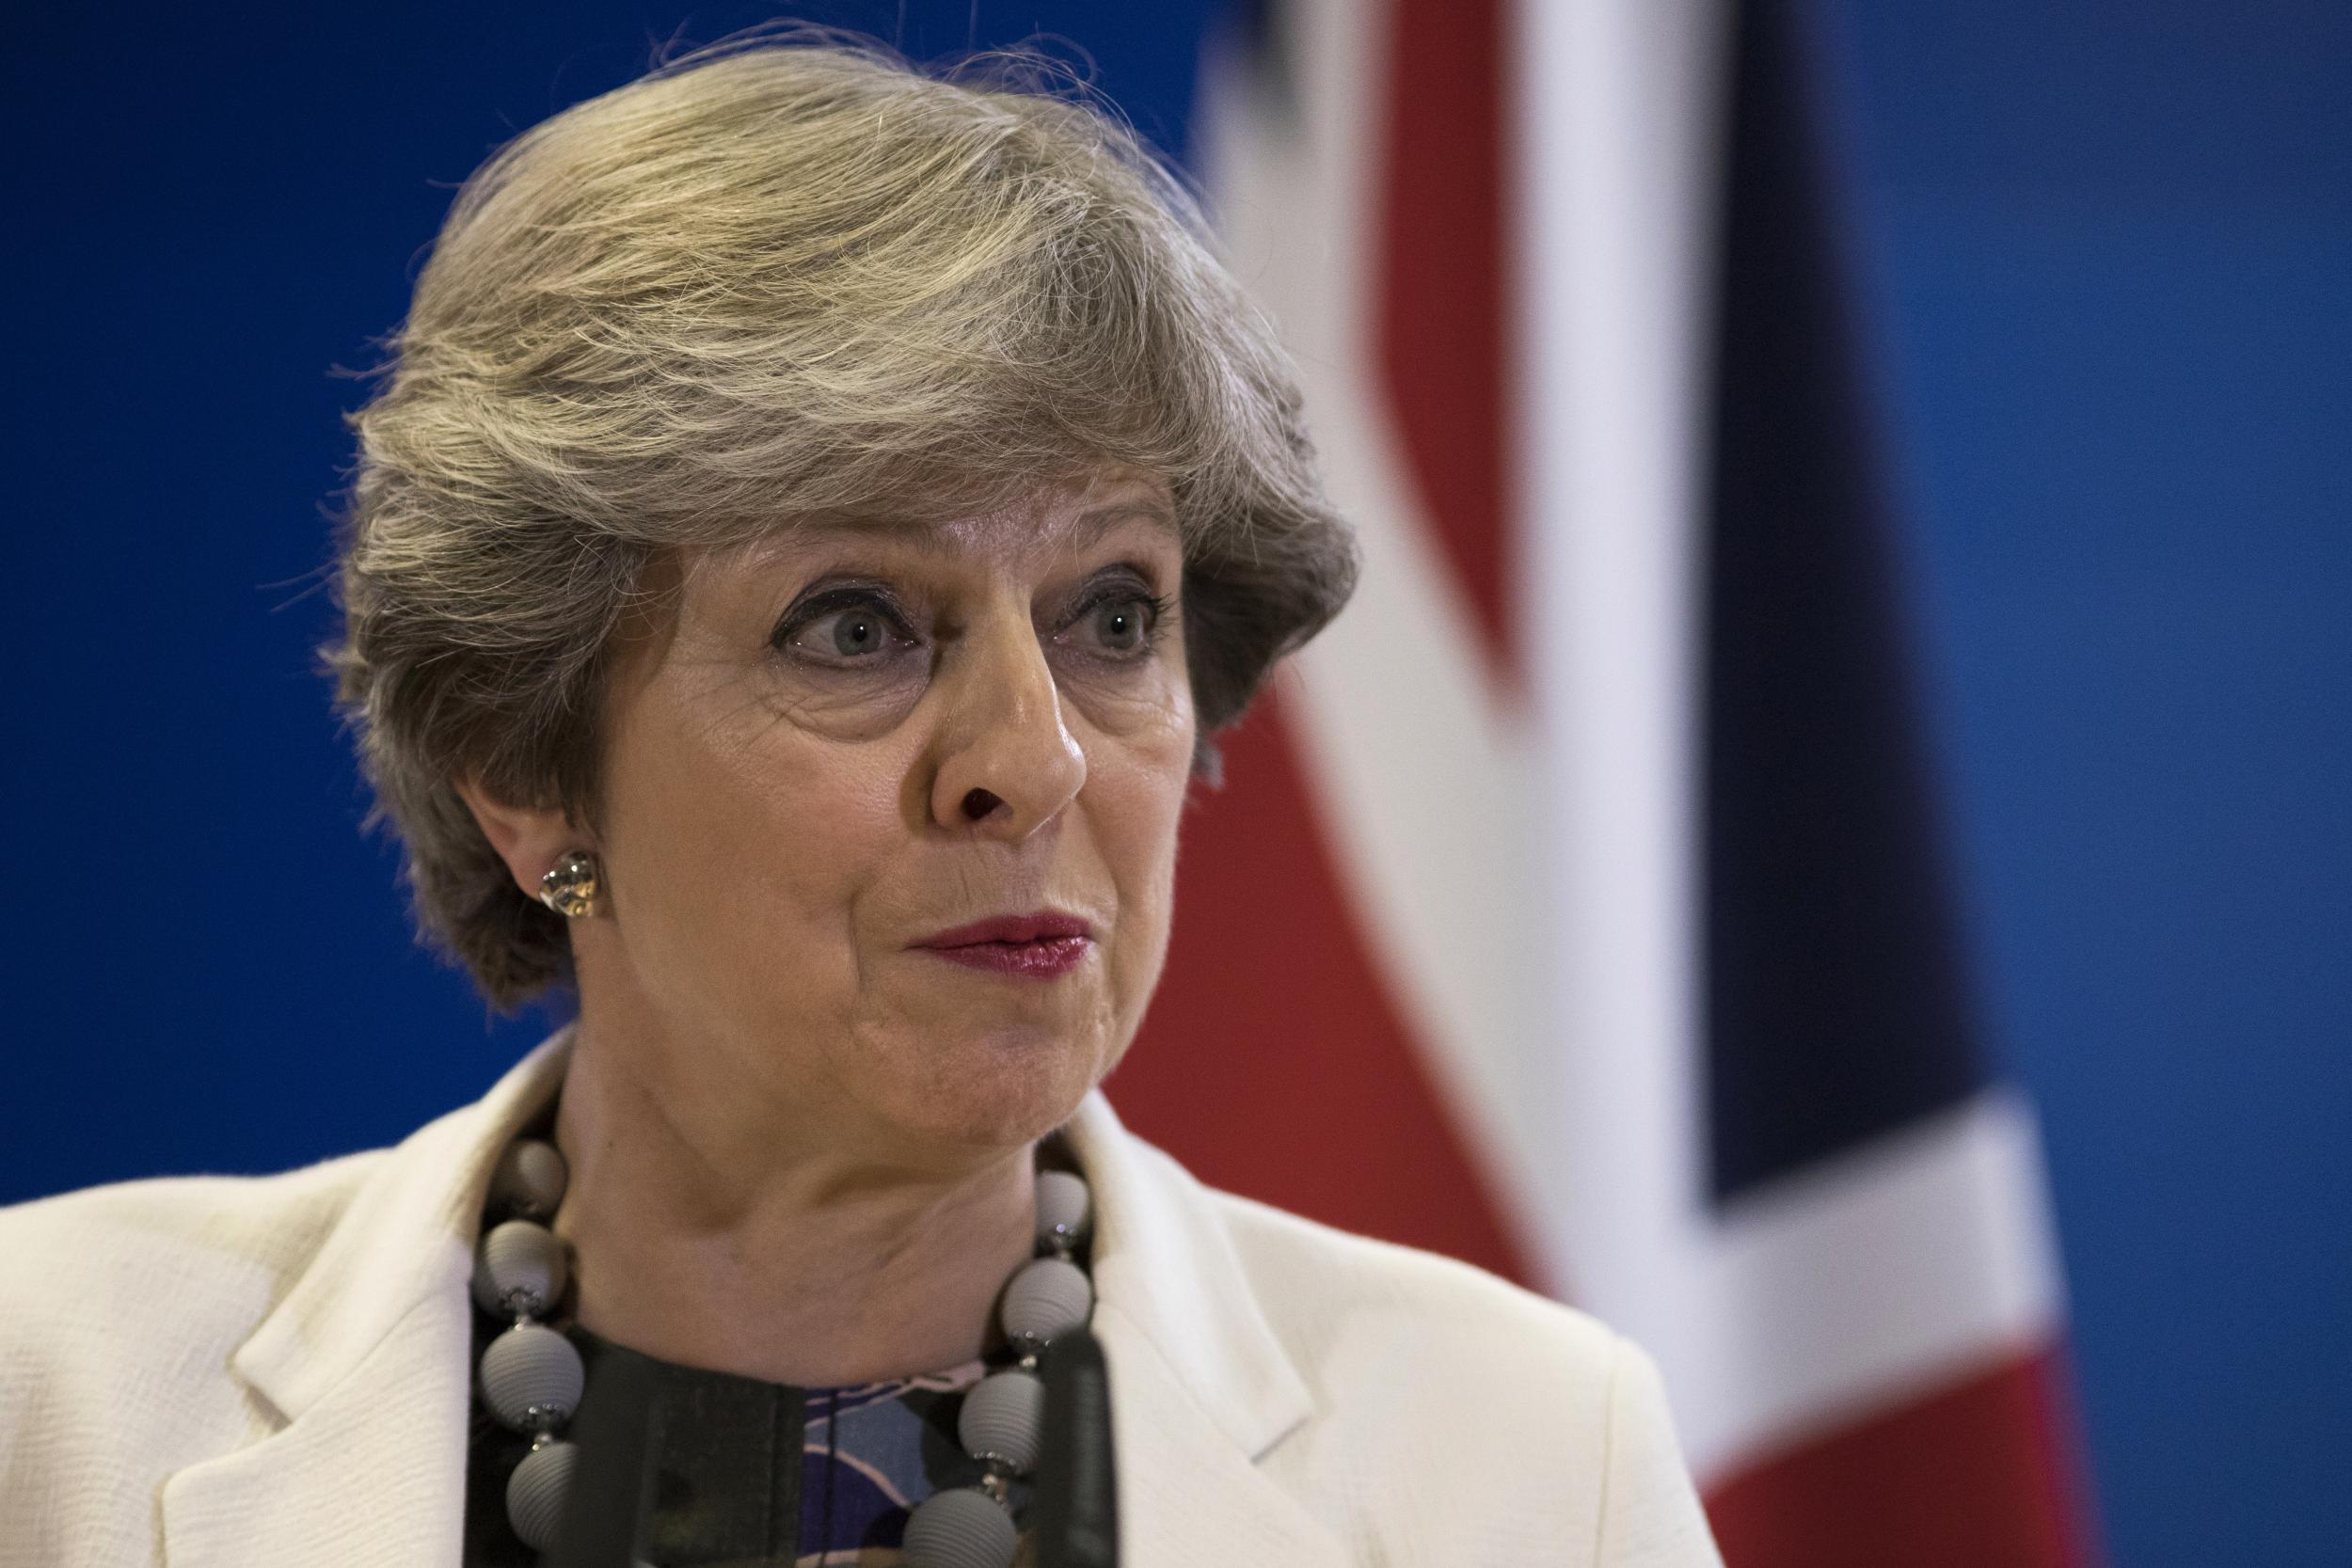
{"type": "Point", "coordinates": [1076, 1492]}
{"type": "Point", "coordinates": [1077, 1475]}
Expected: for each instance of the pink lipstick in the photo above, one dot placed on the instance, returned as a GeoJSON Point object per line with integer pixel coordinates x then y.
{"type": "Point", "coordinates": [1040, 946]}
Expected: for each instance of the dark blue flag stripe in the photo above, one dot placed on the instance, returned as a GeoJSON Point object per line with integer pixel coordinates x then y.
{"type": "Point", "coordinates": [1836, 1006]}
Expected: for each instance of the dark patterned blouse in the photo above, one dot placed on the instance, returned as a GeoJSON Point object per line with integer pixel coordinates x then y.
{"type": "Point", "coordinates": [750, 1474]}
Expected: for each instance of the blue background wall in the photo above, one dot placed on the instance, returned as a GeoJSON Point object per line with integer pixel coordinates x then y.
{"type": "Point", "coordinates": [2115, 258]}
{"type": "Point", "coordinates": [2111, 252]}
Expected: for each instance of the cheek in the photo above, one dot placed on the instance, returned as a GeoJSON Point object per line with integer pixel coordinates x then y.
{"type": "Point", "coordinates": [739, 849]}
{"type": "Point", "coordinates": [1139, 802]}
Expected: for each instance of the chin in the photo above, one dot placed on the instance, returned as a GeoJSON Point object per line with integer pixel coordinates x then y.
{"type": "Point", "coordinates": [1001, 1089]}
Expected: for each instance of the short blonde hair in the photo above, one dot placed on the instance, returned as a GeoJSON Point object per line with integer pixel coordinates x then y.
{"type": "Point", "coordinates": [786, 276]}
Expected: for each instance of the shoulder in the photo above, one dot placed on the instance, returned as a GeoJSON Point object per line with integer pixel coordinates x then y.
{"type": "Point", "coordinates": [1422, 1366]}
{"type": "Point", "coordinates": [124, 1307]}
{"type": "Point", "coordinates": [105, 1283]}
{"type": "Point", "coordinates": [170, 1227]}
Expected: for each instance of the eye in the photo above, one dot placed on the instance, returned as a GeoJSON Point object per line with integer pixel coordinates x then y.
{"type": "Point", "coordinates": [1121, 621]}
{"type": "Point", "coordinates": [850, 633]}
{"type": "Point", "coordinates": [1122, 626]}
{"type": "Point", "coordinates": [844, 627]}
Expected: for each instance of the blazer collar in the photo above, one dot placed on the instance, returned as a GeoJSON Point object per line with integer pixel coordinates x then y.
{"type": "Point", "coordinates": [408, 1233]}
{"type": "Point", "coordinates": [1163, 1262]}
{"type": "Point", "coordinates": [363, 1373]}
{"type": "Point", "coordinates": [1202, 1387]}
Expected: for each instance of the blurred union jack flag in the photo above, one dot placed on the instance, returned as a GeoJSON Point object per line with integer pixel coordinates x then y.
{"type": "Point", "coordinates": [1576, 905]}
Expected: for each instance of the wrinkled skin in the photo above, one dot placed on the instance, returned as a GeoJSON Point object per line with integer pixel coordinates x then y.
{"type": "Point", "coordinates": [827, 748]}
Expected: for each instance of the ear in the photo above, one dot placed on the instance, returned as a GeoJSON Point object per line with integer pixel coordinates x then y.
{"type": "Point", "coordinates": [529, 839]}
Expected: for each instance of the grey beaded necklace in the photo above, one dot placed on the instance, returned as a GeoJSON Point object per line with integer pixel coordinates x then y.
{"type": "Point", "coordinates": [532, 1376]}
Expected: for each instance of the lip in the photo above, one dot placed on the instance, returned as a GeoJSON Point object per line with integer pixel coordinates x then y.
{"type": "Point", "coordinates": [1039, 947]}
{"type": "Point", "coordinates": [1041, 926]}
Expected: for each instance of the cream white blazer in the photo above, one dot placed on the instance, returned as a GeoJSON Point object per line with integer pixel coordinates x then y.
{"type": "Point", "coordinates": [238, 1372]}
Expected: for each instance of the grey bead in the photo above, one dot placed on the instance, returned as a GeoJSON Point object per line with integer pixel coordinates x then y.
{"type": "Point", "coordinates": [1003, 1418]}
{"type": "Point", "coordinates": [1065, 1208]}
{"type": "Point", "coordinates": [961, 1527]}
{"type": "Point", "coordinates": [532, 1377]}
{"type": "Point", "coordinates": [537, 1491]}
{"type": "Point", "coordinates": [519, 1267]}
{"type": "Point", "coordinates": [1047, 1296]}
{"type": "Point", "coordinates": [529, 1181]}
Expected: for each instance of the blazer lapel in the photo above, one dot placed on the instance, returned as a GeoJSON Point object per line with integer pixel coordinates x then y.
{"type": "Point", "coordinates": [372, 1473]}
{"type": "Point", "coordinates": [1201, 1388]}
{"type": "Point", "coordinates": [361, 1372]}
{"type": "Point", "coordinates": [1187, 1496]}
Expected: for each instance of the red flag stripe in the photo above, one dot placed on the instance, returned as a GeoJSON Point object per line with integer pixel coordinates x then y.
{"type": "Point", "coordinates": [1971, 1476]}
{"type": "Point", "coordinates": [1274, 1061]}
{"type": "Point", "coordinates": [1443, 281]}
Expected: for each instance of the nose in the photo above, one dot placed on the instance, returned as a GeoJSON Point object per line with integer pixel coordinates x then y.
{"type": "Point", "coordinates": [1007, 762]}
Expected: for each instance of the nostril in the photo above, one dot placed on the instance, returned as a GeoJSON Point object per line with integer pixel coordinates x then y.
{"type": "Point", "coordinates": [978, 803]}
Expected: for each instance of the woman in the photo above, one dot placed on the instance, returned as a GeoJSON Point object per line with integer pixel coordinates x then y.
{"type": "Point", "coordinates": [804, 537]}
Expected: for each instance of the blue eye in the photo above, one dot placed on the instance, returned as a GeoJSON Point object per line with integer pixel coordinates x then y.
{"type": "Point", "coordinates": [844, 627]}
{"type": "Point", "coordinates": [851, 633]}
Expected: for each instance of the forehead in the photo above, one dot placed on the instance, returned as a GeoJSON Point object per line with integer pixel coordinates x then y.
{"type": "Point", "coordinates": [1031, 529]}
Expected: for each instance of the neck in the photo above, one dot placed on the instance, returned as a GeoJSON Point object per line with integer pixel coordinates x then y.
{"type": "Point", "coordinates": [704, 1235]}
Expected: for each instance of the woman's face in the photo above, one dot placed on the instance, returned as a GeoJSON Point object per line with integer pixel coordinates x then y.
{"type": "Point", "coordinates": [851, 744]}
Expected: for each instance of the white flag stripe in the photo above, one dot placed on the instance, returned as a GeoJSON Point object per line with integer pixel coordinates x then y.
{"type": "Point", "coordinates": [1617, 109]}
{"type": "Point", "coordinates": [1870, 1278]}
{"type": "Point", "coordinates": [1860, 1283]}
{"type": "Point", "coordinates": [1867, 1280]}
{"type": "Point", "coordinates": [1856, 1286]}
{"type": "Point", "coordinates": [1526, 870]}
{"type": "Point", "coordinates": [1418, 764]}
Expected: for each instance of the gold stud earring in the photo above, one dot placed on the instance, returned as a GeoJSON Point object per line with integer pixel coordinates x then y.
{"type": "Point", "coordinates": [571, 889]}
